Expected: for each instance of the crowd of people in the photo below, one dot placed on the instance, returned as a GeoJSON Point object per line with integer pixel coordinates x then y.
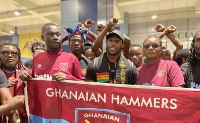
{"type": "Point", "coordinates": [149, 64]}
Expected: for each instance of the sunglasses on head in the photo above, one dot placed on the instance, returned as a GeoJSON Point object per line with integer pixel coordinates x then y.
{"type": "Point", "coordinates": [147, 46]}
{"type": "Point", "coordinates": [6, 53]}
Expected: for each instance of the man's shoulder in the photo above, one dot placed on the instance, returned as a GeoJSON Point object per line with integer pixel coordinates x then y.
{"type": "Point", "coordinates": [85, 60]}
{"type": "Point", "coordinates": [40, 54]}
{"type": "Point", "coordinates": [68, 55]}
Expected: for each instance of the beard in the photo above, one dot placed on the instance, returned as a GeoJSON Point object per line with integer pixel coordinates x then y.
{"type": "Point", "coordinates": [113, 54]}
{"type": "Point", "coordinates": [10, 65]}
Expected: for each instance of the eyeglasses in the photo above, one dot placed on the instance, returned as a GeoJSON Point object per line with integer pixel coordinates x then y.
{"type": "Point", "coordinates": [6, 53]}
{"type": "Point", "coordinates": [147, 46]}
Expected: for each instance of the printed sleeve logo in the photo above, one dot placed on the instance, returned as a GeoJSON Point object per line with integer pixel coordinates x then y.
{"type": "Point", "coordinates": [63, 66]}
{"type": "Point", "coordinates": [160, 73]}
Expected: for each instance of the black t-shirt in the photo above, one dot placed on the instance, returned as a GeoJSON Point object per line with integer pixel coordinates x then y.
{"type": "Point", "coordinates": [124, 72]}
{"type": "Point", "coordinates": [84, 64]}
{"type": "Point", "coordinates": [195, 83]}
{"type": "Point", "coordinates": [3, 80]}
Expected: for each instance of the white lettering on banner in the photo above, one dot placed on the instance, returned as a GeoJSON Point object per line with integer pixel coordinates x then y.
{"type": "Point", "coordinates": [145, 102]}
{"type": "Point", "coordinates": [102, 116]}
{"type": "Point", "coordinates": [44, 76]}
{"type": "Point", "coordinates": [50, 92]}
{"type": "Point", "coordinates": [151, 102]}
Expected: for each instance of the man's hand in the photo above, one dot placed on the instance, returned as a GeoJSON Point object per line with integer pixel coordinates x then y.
{"type": "Point", "coordinates": [113, 22]}
{"type": "Point", "coordinates": [81, 26]}
{"type": "Point", "coordinates": [100, 27]}
{"type": "Point", "coordinates": [59, 76]}
{"type": "Point", "coordinates": [88, 23]}
{"type": "Point", "coordinates": [171, 29]}
{"type": "Point", "coordinates": [16, 102]}
{"type": "Point", "coordinates": [12, 81]}
{"type": "Point", "coordinates": [160, 28]}
{"type": "Point", "coordinates": [25, 75]}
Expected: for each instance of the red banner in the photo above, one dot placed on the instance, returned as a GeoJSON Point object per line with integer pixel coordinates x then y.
{"type": "Point", "coordinates": [86, 102]}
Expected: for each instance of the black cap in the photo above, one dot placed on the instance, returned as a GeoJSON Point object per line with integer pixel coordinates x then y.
{"type": "Point", "coordinates": [115, 33]}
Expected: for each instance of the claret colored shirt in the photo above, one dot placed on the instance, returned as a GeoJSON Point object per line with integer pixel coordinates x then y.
{"type": "Point", "coordinates": [163, 73]}
{"type": "Point", "coordinates": [47, 63]}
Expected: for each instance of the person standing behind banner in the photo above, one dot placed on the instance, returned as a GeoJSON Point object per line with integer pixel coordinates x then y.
{"type": "Point", "coordinates": [11, 65]}
{"type": "Point", "coordinates": [182, 56]}
{"type": "Point", "coordinates": [135, 54]}
{"type": "Point", "coordinates": [77, 40]}
{"type": "Point", "coordinates": [112, 67]}
{"type": "Point", "coordinates": [157, 72]}
{"type": "Point", "coordinates": [192, 68]}
{"type": "Point", "coordinates": [37, 46]}
{"type": "Point", "coordinates": [53, 63]}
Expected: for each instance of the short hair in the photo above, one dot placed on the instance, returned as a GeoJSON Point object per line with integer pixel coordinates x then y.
{"type": "Point", "coordinates": [159, 39]}
{"type": "Point", "coordinates": [184, 53]}
{"type": "Point", "coordinates": [47, 25]}
{"type": "Point", "coordinates": [18, 50]}
{"type": "Point", "coordinates": [136, 45]}
{"type": "Point", "coordinates": [37, 41]}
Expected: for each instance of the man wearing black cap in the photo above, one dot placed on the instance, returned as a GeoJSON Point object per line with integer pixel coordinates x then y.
{"type": "Point", "coordinates": [112, 67]}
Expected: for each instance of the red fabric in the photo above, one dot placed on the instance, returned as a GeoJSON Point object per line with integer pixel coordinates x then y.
{"type": "Point", "coordinates": [46, 64]}
{"type": "Point", "coordinates": [164, 73]}
{"type": "Point", "coordinates": [52, 100]}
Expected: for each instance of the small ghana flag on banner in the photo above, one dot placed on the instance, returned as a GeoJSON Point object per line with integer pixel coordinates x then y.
{"type": "Point", "coordinates": [102, 77]}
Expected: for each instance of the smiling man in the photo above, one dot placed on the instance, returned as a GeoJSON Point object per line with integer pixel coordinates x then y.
{"type": "Point", "coordinates": [112, 67]}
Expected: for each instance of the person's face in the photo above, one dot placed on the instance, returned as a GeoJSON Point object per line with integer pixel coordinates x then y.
{"type": "Point", "coordinates": [197, 45]}
{"type": "Point", "coordinates": [114, 46]}
{"type": "Point", "coordinates": [38, 46]}
{"type": "Point", "coordinates": [9, 56]}
{"type": "Point", "coordinates": [165, 55]}
{"type": "Point", "coordinates": [52, 38]}
{"type": "Point", "coordinates": [89, 54]}
{"type": "Point", "coordinates": [136, 55]}
{"type": "Point", "coordinates": [152, 48]}
{"type": "Point", "coordinates": [76, 44]}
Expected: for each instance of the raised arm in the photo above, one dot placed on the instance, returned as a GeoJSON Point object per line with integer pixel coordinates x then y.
{"type": "Point", "coordinates": [127, 44]}
{"type": "Point", "coordinates": [173, 38]}
{"type": "Point", "coordinates": [98, 43]}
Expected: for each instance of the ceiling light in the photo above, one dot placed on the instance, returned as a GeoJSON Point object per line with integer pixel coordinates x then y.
{"type": "Point", "coordinates": [154, 16]}
{"type": "Point", "coordinates": [11, 32]}
{"type": "Point", "coordinates": [17, 13]}
{"type": "Point", "coordinates": [153, 29]}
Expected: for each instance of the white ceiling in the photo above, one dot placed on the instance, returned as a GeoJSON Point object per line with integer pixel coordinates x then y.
{"type": "Point", "coordinates": [142, 10]}
{"type": "Point", "coordinates": [34, 13]}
